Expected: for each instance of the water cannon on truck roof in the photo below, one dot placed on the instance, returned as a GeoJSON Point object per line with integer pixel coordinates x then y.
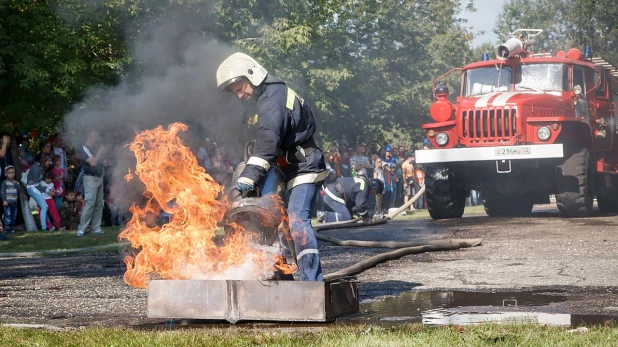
{"type": "Point", "coordinates": [521, 40]}
{"type": "Point", "coordinates": [525, 126]}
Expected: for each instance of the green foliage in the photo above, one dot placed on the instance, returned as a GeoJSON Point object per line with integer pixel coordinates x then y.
{"type": "Point", "coordinates": [366, 66]}
{"type": "Point", "coordinates": [47, 62]}
{"type": "Point", "coordinates": [566, 24]}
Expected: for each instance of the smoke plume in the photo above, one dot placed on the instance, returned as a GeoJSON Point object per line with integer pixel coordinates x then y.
{"type": "Point", "coordinates": [176, 74]}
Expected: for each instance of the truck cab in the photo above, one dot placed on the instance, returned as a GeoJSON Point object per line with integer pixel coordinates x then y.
{"type": "Point", "coordinates": [525, 126]}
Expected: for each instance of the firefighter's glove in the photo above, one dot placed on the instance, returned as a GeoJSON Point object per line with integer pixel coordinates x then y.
{"type": "Point", "coordinates": [364, 215]}
{"type": "Point", "coordinates": [245, 184]}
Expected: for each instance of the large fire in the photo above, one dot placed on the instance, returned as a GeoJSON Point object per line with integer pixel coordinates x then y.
{"type": "Point", "coordinates": [188, 245]}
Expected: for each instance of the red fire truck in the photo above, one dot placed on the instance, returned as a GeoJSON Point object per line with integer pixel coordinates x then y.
{"type": "Point", "coordinates": [525, 126]}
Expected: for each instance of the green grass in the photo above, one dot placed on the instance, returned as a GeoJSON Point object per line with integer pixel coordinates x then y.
{"type": "Point", "coordinates": [25, 241]}
{"type": "Point", "coordinates": [353, 335]}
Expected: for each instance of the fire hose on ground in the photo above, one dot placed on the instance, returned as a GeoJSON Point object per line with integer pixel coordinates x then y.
{"type": "Point", "coordinates": [356, 222]}
{"type": "Point", "coordinates": [376, 259]}
{"type": "Point", "coordinates": [403, 248]}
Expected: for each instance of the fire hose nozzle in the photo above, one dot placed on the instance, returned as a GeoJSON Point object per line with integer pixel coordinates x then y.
{"type": "Point", "coordinates": [509, 49]}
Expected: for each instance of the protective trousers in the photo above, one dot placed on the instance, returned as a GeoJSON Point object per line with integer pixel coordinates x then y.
{"type": "Point", "coordinates": [338, 210]}
{"type": "Point", "coordinates": [300, 202]}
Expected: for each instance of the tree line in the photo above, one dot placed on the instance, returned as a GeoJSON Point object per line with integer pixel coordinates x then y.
{"type": "Point", "coordinates": [366, 65]}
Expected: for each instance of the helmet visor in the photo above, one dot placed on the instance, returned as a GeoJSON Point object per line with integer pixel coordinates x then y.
{"type": "Point", "coordinates": [224, 87]}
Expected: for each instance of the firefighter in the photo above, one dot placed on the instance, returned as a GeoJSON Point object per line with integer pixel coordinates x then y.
{"type": "Point", "coordinates": [349, 195]}
{"type": "Point", "coordinates": [283, 127]}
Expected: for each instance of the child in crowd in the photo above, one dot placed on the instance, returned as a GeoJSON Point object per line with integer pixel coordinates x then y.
{"type": "Point", "coordinates": [47, 190]}
{"type": "Point", "coordinates": [70, 212]}
{"type": "Point", "coordinates": [80, 200]}
{"type": "Point", "coordinates": [9, 192]}
{"type": "Point", "coordinates": [58, 175]}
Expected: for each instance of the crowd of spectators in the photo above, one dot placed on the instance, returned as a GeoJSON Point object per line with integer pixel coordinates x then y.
{"type": "Point", "coordinates": [395, 167]}
{"type": "Point", "coordinates": [218, 161]}
{"type": "Point", "coordinates": [53, 177]}
{"type": "Point", "coordinates": [58, 177]}
{"type": "Point", "coordinates": [62, 180]}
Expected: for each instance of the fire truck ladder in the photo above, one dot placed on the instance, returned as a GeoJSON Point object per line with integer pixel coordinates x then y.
{"type": "Point", "coordinates": [602, 62]}
{"type": "Point", "coordinates": [612, 70]}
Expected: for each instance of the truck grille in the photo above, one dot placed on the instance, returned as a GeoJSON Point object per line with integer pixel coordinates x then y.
{"type": "Point", "coordinates": [489, 125]}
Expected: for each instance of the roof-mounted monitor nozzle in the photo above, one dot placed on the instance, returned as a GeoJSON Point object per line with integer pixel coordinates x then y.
{"type": "Point", "coordinates": [519, 41]}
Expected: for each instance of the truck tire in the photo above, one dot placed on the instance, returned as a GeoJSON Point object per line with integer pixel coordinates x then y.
{"type": "Point", "coordinates": [607, 203]}
{"type": "Point", "coordinates": [499, 205]}
{"type": "Point", "coordinates": [574, 185]}
{"type": "Point", "coordinates": [446, 197]}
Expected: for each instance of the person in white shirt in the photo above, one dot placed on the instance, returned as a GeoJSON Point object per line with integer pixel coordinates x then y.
{"type": "Point", "coordinates": [359, 160]}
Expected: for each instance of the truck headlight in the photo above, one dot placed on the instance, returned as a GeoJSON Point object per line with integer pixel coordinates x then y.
{"type": "Point", "coordinates": [543, 133]}
{"type": "Point", "coordinates": [442, 139]}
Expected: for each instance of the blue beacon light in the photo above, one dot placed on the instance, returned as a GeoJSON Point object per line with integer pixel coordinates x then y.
{"type": "Point", "coordinates": [485, 57]}
{"type": "Point", "coordinates": [587, 52]}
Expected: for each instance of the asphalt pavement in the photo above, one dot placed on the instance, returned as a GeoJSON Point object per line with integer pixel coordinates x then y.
{"type": "Point", "coordinates": [576, 257]}
{"type": "Point", "coordinates": [540, 250]}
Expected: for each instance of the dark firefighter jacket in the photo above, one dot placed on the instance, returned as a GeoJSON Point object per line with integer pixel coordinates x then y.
{"type": "Point", "coordinates": [354, 191]}
{"type": "Point", "coordinates": [283, 123]}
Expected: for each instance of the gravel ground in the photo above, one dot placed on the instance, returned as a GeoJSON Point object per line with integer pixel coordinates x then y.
{"type": "Point", "coordinates": [577, 257]}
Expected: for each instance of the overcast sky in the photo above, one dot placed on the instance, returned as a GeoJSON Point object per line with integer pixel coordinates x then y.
{"type": "Point", "coordinates": [484, 19]}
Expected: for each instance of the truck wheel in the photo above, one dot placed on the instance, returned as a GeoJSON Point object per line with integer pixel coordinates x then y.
{"type": "Point", "coordinates": [446, 197]}
{"type": "Point", "coordinates": [607, 203]}
{"type": "Point", "coordinates": [497, 204]}
{"type": "Point", "coordinates": [574, 185]}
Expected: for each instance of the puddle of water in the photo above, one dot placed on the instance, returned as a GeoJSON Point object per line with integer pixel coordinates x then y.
{"type": "Point", "coordinates": [435, 308]}
{"type": "Point", "coordinates": [416, 301]}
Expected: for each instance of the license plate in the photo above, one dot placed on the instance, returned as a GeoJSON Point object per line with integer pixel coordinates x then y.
{"type": "Point", "coordinates": [514, 151]}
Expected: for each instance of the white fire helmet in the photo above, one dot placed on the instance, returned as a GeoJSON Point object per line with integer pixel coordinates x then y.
{"type": "Point", "coordinates": [237, 66]}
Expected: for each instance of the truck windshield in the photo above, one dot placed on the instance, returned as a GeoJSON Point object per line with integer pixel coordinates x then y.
{"type": "Point", "coordinates": [487, 80]}
{"type": "Point", "coordinates": [541, 77]}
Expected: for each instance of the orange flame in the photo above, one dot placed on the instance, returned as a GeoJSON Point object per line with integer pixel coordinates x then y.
{"type": "Point", "coordinates": [284, 228]}
{"type": "Point", "coordinates": [282, 265]}
{"type": "Point", "coordinates": [128, 177]}
{"type": "Point", "coordinates": [188, 246]}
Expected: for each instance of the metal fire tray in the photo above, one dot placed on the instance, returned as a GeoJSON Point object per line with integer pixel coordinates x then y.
{"type": "Point", "coordinates": [238, 300]}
